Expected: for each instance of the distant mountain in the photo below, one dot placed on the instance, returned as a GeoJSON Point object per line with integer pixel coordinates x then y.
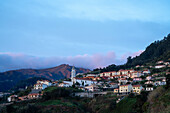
{"type": "Point", "coordinates": [10, 78]}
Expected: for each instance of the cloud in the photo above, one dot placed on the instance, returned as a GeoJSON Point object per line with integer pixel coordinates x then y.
{"type": "Point", "coordinates": [12, 61]}
{"type": "Point", "coordinates": [126, 55]}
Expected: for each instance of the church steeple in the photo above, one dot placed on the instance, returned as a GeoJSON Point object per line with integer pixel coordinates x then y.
{"type": "Point", "coordinates": [73, 74]}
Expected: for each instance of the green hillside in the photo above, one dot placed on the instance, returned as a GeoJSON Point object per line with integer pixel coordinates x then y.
{"type": "Point", "coordinates": [158, 50]}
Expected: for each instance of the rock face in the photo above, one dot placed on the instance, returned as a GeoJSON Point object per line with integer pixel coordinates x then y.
{"type": "Point", "coordinates": [10, 78]}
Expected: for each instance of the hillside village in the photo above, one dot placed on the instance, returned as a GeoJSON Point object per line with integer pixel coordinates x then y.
{"type": "Point", "coordinates": [122, 82]}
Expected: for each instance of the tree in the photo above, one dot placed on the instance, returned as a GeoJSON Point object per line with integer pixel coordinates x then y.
{"type": "Point", "coordinates": [129, 60]}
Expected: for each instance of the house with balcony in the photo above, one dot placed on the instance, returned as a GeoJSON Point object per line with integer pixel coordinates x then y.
{"type": "Point", "coordinates": [136, 74]}
{"type": "Point", "coordinates": [40, 86]}
{"type": "Point", "coordinates": [125, 89]}
{"type": "Point", "coordinates": [137, 89]}
{"type": "Point", "coordinates": [34, 95]}
{"type": "Point", "coordinates": [92, 88]}
{"type": "Point", "coordinates": [85, 81]}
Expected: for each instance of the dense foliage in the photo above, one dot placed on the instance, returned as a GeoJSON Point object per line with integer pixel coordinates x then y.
{"type": "Point", "coordinates": [59, 100]}
{"type": "Point", "coordinates": [27, 82]}
{"type": "Point", "coordinates": [158, 50]}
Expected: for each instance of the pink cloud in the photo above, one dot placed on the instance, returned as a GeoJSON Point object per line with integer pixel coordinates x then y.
{"type": "Point", "coordinates": [126, 55]}
{"type": "Point", "coordinates": [10, 61]}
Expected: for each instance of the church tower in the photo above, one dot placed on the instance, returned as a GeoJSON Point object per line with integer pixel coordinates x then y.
{"type": "Point", "coordinates": [73, 74]}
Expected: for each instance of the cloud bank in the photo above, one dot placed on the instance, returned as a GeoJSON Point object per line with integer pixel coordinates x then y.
{"type": "Point", "coordinates": [12, 61]}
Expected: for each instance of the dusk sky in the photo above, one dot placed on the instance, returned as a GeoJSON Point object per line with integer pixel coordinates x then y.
{"type": "Point", "coordinates": [85, 33]}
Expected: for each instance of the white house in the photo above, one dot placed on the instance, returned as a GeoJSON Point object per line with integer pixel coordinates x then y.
{"type": "Point", "coordinates": [12, 98]}
{"type": "Point", "coordinates": [137, 79]}
{"type": "Point", "coordinates": [125, 88]}
{"type": "Point", "coordinates": [137, 89]}
{"type": "Point", "coordinates": [63, 85]}
{"type": "Point", "coordinates": [92, 88]}
{"type": "Point", "coordinates": [160, 66]}
{"type": "Point", "coordinates": [94, 75]}
{"type": "Point", "coordinates": [108, 74]}
{"type": "Point", "coordinates": [146, 71]}
{"type": "Point", "coordinates": [149, 88]}
{"type": "Point", "coordinates": [159, 83]}
{"type": "Point", "coordinates": [149, 82]}
{"type": "Point", "coordinates": [122, 80]}
{"type": "Point", "coordinates": [120, 76]}
{"type": "Point", "coordinates": [136, 74]}
{"type": "Point", "coordinates": [34, 95]}
{"type": "Point", "coordinates": [148, 77]}
{"type": "Point", "coordinates": [85, 81]}
{"type": "Point", "coordinates": [113, 85]}
{"type": "Point", "coordinates": [40, 86]}
{"type": "Point", "coordinates": [70, 83]}
{"type": "Point", "coordinates": [48, 83]}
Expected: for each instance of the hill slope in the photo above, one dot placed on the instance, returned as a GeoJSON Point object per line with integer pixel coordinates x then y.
{"type": "Point", "coordinates": [158, 50]}
{"type": "Point", "coordinates": [10, 78]}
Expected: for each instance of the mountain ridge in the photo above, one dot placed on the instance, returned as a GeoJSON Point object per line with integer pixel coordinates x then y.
{"type": "Point", "coordinates": [10, 78]}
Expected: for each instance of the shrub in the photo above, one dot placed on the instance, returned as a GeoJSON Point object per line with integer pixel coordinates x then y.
{"type": "Point", "coordinates": [54, 94]}
{"type": "Point", "coordinates": [155, 94]}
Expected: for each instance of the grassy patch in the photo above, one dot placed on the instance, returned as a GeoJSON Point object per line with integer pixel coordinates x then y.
{"type": "Point", "coordinates": [125, 106]}
{"type": "Point", "coordinates": [55, 102]}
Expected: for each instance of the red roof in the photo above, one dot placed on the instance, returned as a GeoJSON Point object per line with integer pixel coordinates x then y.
{"type": "Point", "coordinates": [34, 94]}
{"type": "Point", "coordinates": [38, 84]}
{"type": "Point", "coordinates": [85, 79]}
{"type": "Point", "coordinates": [119, 75]}
{"type": "Point", "coordinates": [105, 77]}
{"type": "Point", "coordinates": [82, 78]}
{"type": "Point", "coordinates": [122, 79]}
{"type": "Point", "coordinates": [112, 83]}
{"type": "Point", "coordinates": [109, 72]}
{"type": "Point", "coordinates": [125, 85]}
{"type": "Point", "coordinates": [136, 85]}
{"type": "Point", "coordinates": [90, 77]}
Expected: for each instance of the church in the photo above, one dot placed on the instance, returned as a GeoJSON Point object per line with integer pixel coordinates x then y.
{"type": "Point", "coordinates": [73, 75]}
{"type": "Point", "coordinates": [82, 81]}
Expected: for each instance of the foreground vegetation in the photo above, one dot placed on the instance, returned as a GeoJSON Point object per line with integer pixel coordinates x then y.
{"type": "Point", "coordinates": [60, 100]}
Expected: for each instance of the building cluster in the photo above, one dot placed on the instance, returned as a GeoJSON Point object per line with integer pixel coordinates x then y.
{"type": "Point", "coordinates": [120, 82]}
{"type": "Point", "coordinates": [36, 91]}
{"type": "Point", "coordinates": [162, 64]}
